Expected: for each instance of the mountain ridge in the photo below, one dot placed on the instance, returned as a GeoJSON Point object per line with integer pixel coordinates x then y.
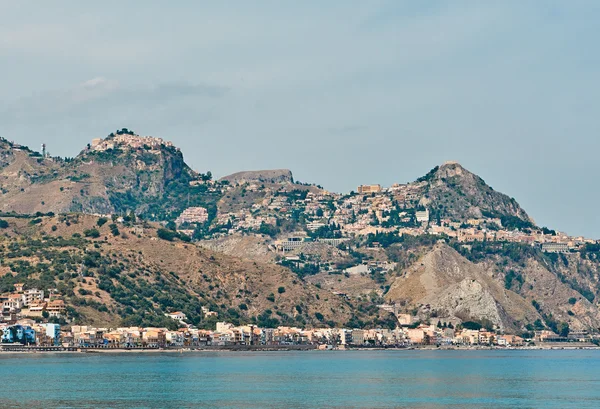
{"type": "Point", "coordinates": [125, 172]}
{"type": "Point", "coordinates": [446, 244]}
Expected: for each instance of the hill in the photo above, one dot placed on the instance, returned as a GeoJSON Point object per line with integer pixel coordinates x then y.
{"type": "Point", "coordinates": [446, 244]}
{"type": "Point", "coordinates": [511, 286]}
{"type": "Point", "coordinates": [458, 194]}
{"type": "Point", "coordinates": [119, 274]}
{"type": "Point", "coordinates": [119, 174]}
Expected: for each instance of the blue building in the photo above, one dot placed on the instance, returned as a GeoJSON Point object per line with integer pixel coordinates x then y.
{"type": "Point", "coordinates": [21, 334]}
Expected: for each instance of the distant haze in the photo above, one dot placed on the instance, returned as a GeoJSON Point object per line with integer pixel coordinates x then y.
{"type": "Point", "coordinates": [341, 93]}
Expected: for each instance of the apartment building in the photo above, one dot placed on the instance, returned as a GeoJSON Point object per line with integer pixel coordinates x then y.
{"type": "Point", "coordinates": [366, 189]}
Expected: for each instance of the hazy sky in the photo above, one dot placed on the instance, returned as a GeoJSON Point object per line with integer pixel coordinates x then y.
{"type": "Point", "coordinates": [340, 92]}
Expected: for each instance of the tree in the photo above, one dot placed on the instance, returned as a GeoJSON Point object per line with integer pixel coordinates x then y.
{"type": "Point", "coordinates": [564, 329]}
{"type": "Point", "coordinates": [93, 233]}
{"type": "Point", "coordinates": [3, 224]}
{"type": "Point", "coordinates": [472, 325]}
{"type": "Point", "coordinates": [166, 234]}
{"type": "Point", "coordinates": [281, 290]}
{"type": "Point", "coordinates": [268, 230]}
{"type": "Point", "coordinates": [538, 325]}
{"type": "Point", "coordinates": [114, 229]}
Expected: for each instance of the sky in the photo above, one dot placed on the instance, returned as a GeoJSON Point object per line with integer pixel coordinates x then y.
{"type": "Point", "coordinates": [340, 92]}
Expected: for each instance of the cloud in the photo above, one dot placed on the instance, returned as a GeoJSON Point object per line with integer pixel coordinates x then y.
{"type": "Point", "coordinates": [101, 95]}
{"type": "Point", "coordinates": [179, 90]}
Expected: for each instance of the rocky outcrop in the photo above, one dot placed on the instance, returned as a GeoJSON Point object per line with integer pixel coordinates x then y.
{"type": "Point", "coordinates": [260, 176]}
{"type": "Point", "coordinates": [460, 194]}
{"type": "Point", "coordinates": [121, 179]}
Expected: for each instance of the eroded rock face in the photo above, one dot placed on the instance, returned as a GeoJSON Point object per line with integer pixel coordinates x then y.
{"type": "Point", "coordinates": [449, 284]}
{"type": "Point", "coordinates": [443, 281]}
{"type": "Point", "coordinates": [469, 299]}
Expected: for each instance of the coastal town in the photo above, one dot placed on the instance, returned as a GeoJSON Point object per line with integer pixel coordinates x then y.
{"type": "Point", "coordinates": [27, 334]}
{"type": "Point", "coordinates": [30, 320]}
{"type": "Point", "coordinates": [289, 217]}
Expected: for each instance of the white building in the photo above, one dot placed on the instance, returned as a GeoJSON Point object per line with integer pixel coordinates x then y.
{"type": "Point", "coordinates": [177, 316]}
{"type": "Point", "coordinates": [33, 295]}
{"type": "Point", "coordinates": [192, 215]}
{"type": "Point", "coordinates": [422, 216]}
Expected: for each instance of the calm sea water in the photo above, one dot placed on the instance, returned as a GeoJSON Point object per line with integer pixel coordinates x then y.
{"type": "Point", "coordinates": [351, 379]}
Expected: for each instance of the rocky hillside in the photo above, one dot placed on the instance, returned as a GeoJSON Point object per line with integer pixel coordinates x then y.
{"type": "Point", "coordinates": [121, 176]}
{"type": "Point", "coordinates": [249, 247]}
{"type": "Point", "coordinates": [512, 286]}
{"type": "Point", "coordinates": [447, 283]}
{"type": "Point", "coordinates": [123, 272]}
{"type": "Point", "coordinates": [459, 194]}
{"type": "Point", "coordinates": [113, 274]}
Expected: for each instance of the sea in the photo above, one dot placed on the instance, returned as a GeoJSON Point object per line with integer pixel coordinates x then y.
{"type": "Point", "coordinates": [304, 379]}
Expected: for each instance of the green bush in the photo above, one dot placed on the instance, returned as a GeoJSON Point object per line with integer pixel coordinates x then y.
{"type": "Point", "coordinates": [114, 229]}
{"type": "Point", "coordinates": [471, 325]}
{"type": "Point", "coordinates": [166, 234]}
{"type": "Point", "coordinates": [93, 233]}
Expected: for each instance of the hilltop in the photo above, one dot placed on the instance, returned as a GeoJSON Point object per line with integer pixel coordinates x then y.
{"type": "Point", "coordinates": [148, 176]}
{"type": "Point", "coordinates": [460, 195]}
{"type": "Point", "coordinates": [121, 173]}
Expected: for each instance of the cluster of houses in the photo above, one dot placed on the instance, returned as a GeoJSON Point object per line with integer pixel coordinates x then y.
{"type": "Point", "coordinates": [192, 215]}
{"type": "Point", "coordinates": [130, 140]}
{"type": "Point", "coordinates": [30, 302]}
{"type": "Point", "coordinates": [399, 209]}
{"type": "Point", "coordinates": [28, 332]}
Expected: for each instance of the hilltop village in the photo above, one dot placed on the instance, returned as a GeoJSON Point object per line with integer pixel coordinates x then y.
{"type": "Point", "coordinates": [293, 212]}
{"type": "Point", "coordinates": [398, 210]}
{"type": "Point", "coordinates": [370, 213]}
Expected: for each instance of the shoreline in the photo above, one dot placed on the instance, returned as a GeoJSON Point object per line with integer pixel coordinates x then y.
{"type": "Point", "coordinates": [281, 348]}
